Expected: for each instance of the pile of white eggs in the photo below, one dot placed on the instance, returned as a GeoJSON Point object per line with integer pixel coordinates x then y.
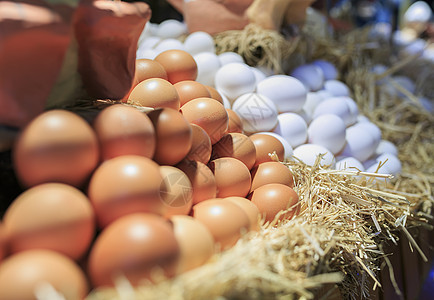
{"type": "Point", "coordinates": [310, 111]}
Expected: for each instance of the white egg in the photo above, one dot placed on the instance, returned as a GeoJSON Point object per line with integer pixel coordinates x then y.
{"type": "Point", "coordinates": [328, 131]}
{"type": "Point", "coordinates": [306, 117]}
{"type": "Point", "coordinates": [148, 42]}
{"type": "Point", "coordinates": [153, 28]}
{"type": "Point", "coordinates": [226, 102]}
{"type": "Point", "coordinates": [427, 104]}
{"type": "Point", "coordinates": [207, 66]}
{"type": "Point", "coordinates": [404, 82]}
{"type": "Point", "coordinates": [171, 29]}
{"type": "Point", "coordinates": [292, 128]}
{"type": "Point", "coordinates": [349, 163]}
{"type": "Point", "coordinates": [287, 92]}
{"type": "Point", "coordinates": [379, 69]}
{"type": "Point", "coordinates": [372, 129]}
{"type": "Point", "coordinates": [416, 47]}
{"type": "Point", "coordinates": [234, 80]}
{"type": "Point", "coordinates": [146, 53]}
{"type": "Point", "coordinates": [370, 162]}
{"type": "Point", "coordinates": [380, 170]}
{"type": "Point", "coordinates": [419, 11]}
{"type": "Point", "coordinates": [311, 75]}
{"type": "Point", "coordinates": [324, 94]}
{"type": "Point", "coordinates": [328, 69]}
{"type": "Point", "coordinates": [288, 148]}
{"type": "Point", "coordinates": [198, 42]}
{"type": "Point", "coordinates": [312, 101]}
{"type": "Point", "coordinates": [257, 112]}
{"type": "Point", "coordinates": [354, 110]}
{"type": "Point", "coordinates": [336, 88]}
{"type": "Point", "coordinates": [337, 106]}
{"type": "Point", "coordinates": [402, 38]}
{"type": "Point", "coordinates": [308, 154]}
{"type": "Point", "coordinates": [169, 44]}
{"type": "Point", "coordinates": [386, 147]}
{"type": "Point", "coordinates": [360, 143]}
{"type": "Point", "coordinates": [392, 162]}
{"type": "Point", "coordinates": [428, 53]}
{"type": "Point", "coordinates": [381, 30]}
{"type": "Point", "coordinates": [146, 32]}
{"type": "Point", "coordinates": [259, 75]}
{"type": "Point", "coordinates": [230, 57]}
{"type": "Point", "coordinates": [362, 118]}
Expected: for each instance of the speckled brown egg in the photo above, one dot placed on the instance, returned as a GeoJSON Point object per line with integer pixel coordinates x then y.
{"type": "Point", "coordinates": [271, 172]}
{"type": "Point", "coordinates": [266, 144]}
{"type": "Point", "coordinates": [174, 136]}
{"type": "Point", "coordinates": [232, 177]}
{"type": "Point", "coordinates": [201, 147]}
{"type": "Point", "coordinates": [124, 130]}
{"type": "Point", "coordinates": [208, 114]}
{"type": "Point", "coordinates": [236, 145]}
{"type": "Point", "coordinates": [179, 65]}
{"type": "Point", "coordinates": [234, 124]}
{"type": "Point", "coordinates": [156, 93]}
{"type": "Point", "coordinates": [57, 146]}
{"type": "Point", "coordinates": [189, 90]}
{"type": "Point", "coordinates": [133, 246]}
{"type": "Point", "coordinates": [34, 274]}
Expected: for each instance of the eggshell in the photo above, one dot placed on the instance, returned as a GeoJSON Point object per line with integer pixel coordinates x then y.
{"type": "Point", "coordinates": [349, 163]}
{"type": "Point", "coordinates": [259, 75]}
{"type": "Point", "coordinates": [124, 130]}
{"type": "Point", "coordinates": [337, 106]}
{"type": "Point", "coordinates": [376, 168]}
{"type": "Point", "coordinates": [207, 66]}
{"type": "Point", "coordinates": [156, 93]}
{"type": "Point", "coordinates": [293, 128]}
{"type": "Point", "coordinates": [195, 241]}
{"type": "Point", "coordinates": [286, 145]}
{"type": "Point", "coordinates": [124, 185]}
{"type": "Point", "coordinates": [310, 75]}
{"type": "Point", "coordinates": [146, 54]}
{"type": "Point", "coordinates": [287, 92]}
{"type": "Point", "coordinates": [230, 57]}
{"type": "Point", "coordinates": [234, 80]}
{"type": "Point", "coordinates": [419, 11]}
{"type": "Point", "coordinates": [208, 114]}
{"type": "Point", "coordinates": [176, 191]}
{"type": "Point", "coordinates": [257, 112]}
{"type": "Point", "coordinates": [312, 101]}
{"type": "Point", "coordinates": [171, 29]}
{"type": "Point", "coordinates": [249, 208]}
{"type": "Point", "coordinates": [214, 94]}
{"type": "Point", "coordinates": [179, 65]}
{"type": "Point", "coordinates": [56, 146]}
{"type": "Point", "coordinates": [336, 88]}
{"type": "Point", "coordinates": [360, 144]}
{"type": "Point", "coordinates": [169, 45]}
{"type": "Point", "coordinates": [225, 220]}
{"type": "Point", "coordinates": [149, 42]}
{"type": "Point", "coordinates": [273, 198]}
{"type": "Point", "coordinates": [308, 153]}
{"type": "Point", "coordinates": [271, 172]}
{"type": "Point", "coordinates": [234, 124]}
{"type": "Point", "coordinates": [201, 147]}
{"type": "Point", "coordinates": [373, 130]}
{"type": "Point", "coordinates": [392, 163]}
{"type": "Point", "coordinates": [173, 134]}
{"type": "Point", "coordinates": [354, 110]}
{"type": "Point", "coordinates": [232, 177]}
{"type": "Point", "coordinates": [329, 131]}
{"type": "Point", "coordinates": [202, 180]}
{"type": "Point", "coordinates": [236, 145]}
{"type": "Point", "coordinates": [386, 147]}
{"type": "Point", "coordinates": [27, 274]}
{"type": "Point", "coordinates": [189, 90]}
{"type": "Point", "coordinates": [133, 246]}
{"type": "Point", "coordinates": [199, 41]}
{"type": "Point", "coordinates": [147, 69]}
{"type": "Point", "coordinates": [266, 145]}
{"type": "Point", "coordinates": [52, 216]}
{"type": "Point", "coordinates": [328, 69]}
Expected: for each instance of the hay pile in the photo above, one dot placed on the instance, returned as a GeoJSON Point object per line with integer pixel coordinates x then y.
{"type": "Point", "coordinates": [346, 216]}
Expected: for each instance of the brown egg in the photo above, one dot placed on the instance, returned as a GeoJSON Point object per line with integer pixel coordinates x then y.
{"type": "Point", "coordinates": [52, 216]}
{"type": "Point", "coordinates": [36, 274]}
{"type": "Point", "coordinates": [148, 68]}
{"type": "Point", "coordinates": [201, 147]}
{"type": "Point", "coordinates": [176, 191]}
{"type": "Point", "coordinates": [57, 146]}
{"type": "Point", "coordinates": [235, 124]}
{"type": "Point", "coordinates": [208, 114]}
{"type": "Point", "coordinates": [271, 172]}
{"type": "Point", "coordinates": [225, 220]}
{"type": "Point", "coordinates": [249, 208]}
{"type": "Point", "coordinates": [214, 94]}
{"type": "Point", "coordinates": [189, 90]}
{"type": "Point", "coordinates": [266, 144]}
{"type": "Point", "coordinates": [273, 198]}
{"type": "Point", "coordinates": [195, 241]}
{"type": "Point", "coordinates": [179, 65]}
{"type": "Point", "coordinates": [202, 180]}
{"type": "Point", "coordinates": [156, 93]}
{"type": "Point", "coordinates": [232, 177]}
{"type": "Point", "coordinates": [124, 185]}
{"type": "Point", "coordinates": [124, 130]}
{"type": "Point", "coordinates": [133, 246]}
{"type": "Point", "coordinates": [236, 145]}
{"type": "Point", "coordinates": [174, 136]}
{"type": "Point", "coordinates": [3, 242]}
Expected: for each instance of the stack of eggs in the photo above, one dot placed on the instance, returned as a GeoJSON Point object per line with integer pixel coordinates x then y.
{"type": "Point", "coordinates": [137, 195]}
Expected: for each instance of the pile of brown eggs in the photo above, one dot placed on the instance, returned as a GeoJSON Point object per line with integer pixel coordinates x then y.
{"type": "Point", "coordinates": [133, 194]}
